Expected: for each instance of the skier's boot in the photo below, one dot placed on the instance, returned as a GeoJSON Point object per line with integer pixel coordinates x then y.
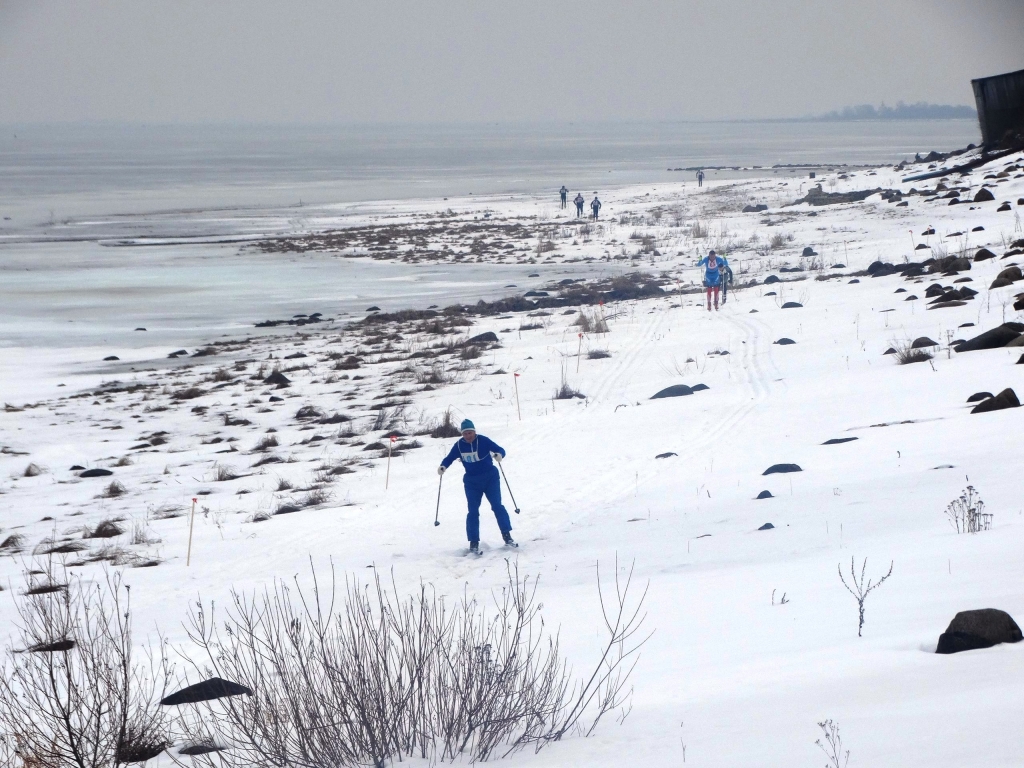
{"type": "Point", "coordinates": [474, 548]}
{"type": "Point", "coordinates": [509, 541]}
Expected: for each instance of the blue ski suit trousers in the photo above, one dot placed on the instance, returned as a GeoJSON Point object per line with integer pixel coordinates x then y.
{"type": "Point", "coordinates": [489, 485]}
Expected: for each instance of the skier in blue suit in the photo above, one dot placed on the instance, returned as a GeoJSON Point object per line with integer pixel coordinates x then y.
{"type": "Point", "coordinates": [478, 454]}
{"type": "Point", "coordinates": [713, 267]}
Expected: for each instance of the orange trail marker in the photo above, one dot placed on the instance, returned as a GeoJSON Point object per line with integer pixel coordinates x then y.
{"type": "Point", "coordinates": [515, 380]}
{"type": "Point", "coordinates": [191, 523]}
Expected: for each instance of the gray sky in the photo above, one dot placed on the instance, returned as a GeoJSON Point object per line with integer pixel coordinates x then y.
{"type": "Point", "coordinates": [483, 60]}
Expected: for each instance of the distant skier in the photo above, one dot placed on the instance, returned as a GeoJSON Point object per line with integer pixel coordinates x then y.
{"type": "Point", "coordinates": [563, 193]}
{"type": "Point", "coordinates": [700, 177]}
{"type": "Point", "coordinates": [595, 206]}
{"type": "Point", "coordinates": [725, 272]}
{"type": "Point", "coordinates": [478, 454]}
{"type": "Point", "coordinates": [580, 201]}
{"type": "Point", "coordinates": [712, 275]}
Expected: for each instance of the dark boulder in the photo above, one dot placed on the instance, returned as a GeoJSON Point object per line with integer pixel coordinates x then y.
{"type": "Point", "coordinates": [96, 473]}
{"type": "Point", "coordinates": [978, 396]}
{"type": "Point", "coordinates": [971, 630]}
{"type": "Point", "coordinates": [772, 279]}
{"type": "Point", "coordinates": [1013, 274]}
{"type": "Point", "coordinates": [1001, 282]}
{"type": "Point", "coordinates": [765, 495]}
{"type": "Point", "coordinates": [785, 341]}
{"type": "Point", "coordinates": [76, 468]}
{"type": "Point", "coordinates": [766, 527]}
{"type": "Point", "coordinates": [984, 254]}
{"type": "Point", "coordinates": [295, 356]}
{"type": "Point", "coordinates": [275, 399]}
{"type": "Point", "coordinates": [923, 341]}
{"type": "Point", "coordinates": [808, 251]}
{"type": "Point", "coordinates": [900, 290]}
{"type": "Point", "coordinates": [1003, 208]}
{"type": "Point", "coordinates": [1020, 360]}
{"type": "Point", "coordinates": [214, 688]}
{"type": "Point", "coordinates": [838, 440]}
{"type": "Point", "coordinates": [995, 338]}
{"type": "Point", "coordinates": [483, 338]}
{"type": "Point", "coordinates": [699, 387]}
{"type": "Point", "coordinates": [775, 469]}
{"type": "Point", "coordinates": [983, 196]}
{"type": "Point", "coordinates": [933, 290]}
{"type": "Point", "coordinates": [110, 358]}
{"type": "Point", "coordinates": [978, 229]}
{"type": "Point", "coordinates": [178, 353]}
{"type": "Point", "coordinates": [920, 247]}
{"type": "Point", "coordinates": [889, 351]}
{"type": "Point", "coordinates": [1005, 399]}
{"type": "Point", "coordinates": [911, 297]}
{"type": "Point", "coordinates": [792, 305]}
{"type": "Point", "coordinates": [374, 308]}
{"type": "Point", "coordinates": [676, 390]}
{"type": "Point", "coordinates": [755, 208]}
{"type": "Point", "coordinates": [666, 455]}
{"type": "Point", "coordinates": [278, 379]}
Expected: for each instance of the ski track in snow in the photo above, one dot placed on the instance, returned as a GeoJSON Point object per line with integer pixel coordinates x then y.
{"type": "Point", "coordinates": [736, 679]}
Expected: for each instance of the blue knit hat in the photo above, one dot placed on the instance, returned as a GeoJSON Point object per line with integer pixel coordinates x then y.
{"type": "Point", "coordinates": [466, 424]}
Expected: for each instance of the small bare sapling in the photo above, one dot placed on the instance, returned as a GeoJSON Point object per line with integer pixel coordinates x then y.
{"type": "Point", "coordinates": [831, 743]}
{"type": "Point", "coordinates": [861, 588]}
{"type": "Point", "coordinates": [967, 512]}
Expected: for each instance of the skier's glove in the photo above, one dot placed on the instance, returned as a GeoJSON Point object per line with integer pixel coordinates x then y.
{"type": "Point", "coordinates": [497, 457]}
{"type": "Point", "coordinates": [440, 470]}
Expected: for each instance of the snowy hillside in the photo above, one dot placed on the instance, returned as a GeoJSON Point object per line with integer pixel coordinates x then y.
{"type": "Point", "coordinates": [756, 639]}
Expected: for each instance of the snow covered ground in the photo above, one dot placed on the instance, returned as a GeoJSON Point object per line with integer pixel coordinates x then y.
{"type": "Point", "coordinates": [728, 678]}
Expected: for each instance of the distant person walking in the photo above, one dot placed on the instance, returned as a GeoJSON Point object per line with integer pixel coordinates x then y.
{"type": "Point", "coordinates": [580, 202]}
{"type": "Point", "coordinates": [700, 177]}
{"type": "Point", "coordinates": [595, 206]}
{"type": "Point", "coordinates": [563, 193]}
{"type": "Point", "coordinates": [713, 266]}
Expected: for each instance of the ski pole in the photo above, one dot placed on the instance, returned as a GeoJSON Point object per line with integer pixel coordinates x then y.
{"type": "Point", "coordinates": [501, 469]}
{"type": "Point", "coordinates": [438, 510]}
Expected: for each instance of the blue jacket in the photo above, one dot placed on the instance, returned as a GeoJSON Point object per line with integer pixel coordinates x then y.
{"type": "Point", "coordinates": [713, 275]}
{"type": "Point", "coordinates": [475, 456]}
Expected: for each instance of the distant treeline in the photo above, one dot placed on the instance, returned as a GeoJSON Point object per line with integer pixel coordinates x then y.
{"type": "Point", "coordinates": [919, 111]}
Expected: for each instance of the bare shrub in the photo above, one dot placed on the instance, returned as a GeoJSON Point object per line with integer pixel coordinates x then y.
{"type": "Point", "coordinates": [388, 418]}
{"type": "Point", "coordinates": [283, 485]}
{"type": "Point", "coordinates": [83, 695]}
{"type": "Point", "coordinates": [266, 443]}
{"type": "Point", "coordinates": [861, 589]}
{"type": "Point", "coordinates": [114, 490]}
{"type": "Point", "coordinates": [308, 412]}
{"type": "Point", "coordinates": [967, 513]}
{"type": "Point", "coordinates": [905, 354]}
{"type": "Point", "coordinates": [142, 533]}
{"type": "Point", "coordinates": [168, 511]}
{"type": "Point", "coordinates": [418, 677]}
{"type": "Point", "coordinates": [778, 240]}
{"type": "Point", "coordinates": [699, 231]}
{"type": "Point", "coordinates": [223, 473]}
{"type": "Point", "coordinates": [105, 529]}
{"type": "Point", "coordinates": [566, 392]}
{"type": "Point", "coordinates": [436, 374]}
{"type": "Point", "coordinates": [470, 353]}
{"type": "Point", "coordinates": [316, 496]}
{"type": "Point", "coordinates": [12, 543]}
{"type": "Point", "coordinates": [446, 426]}
{"type": "Point", "coordinates": [124, 461]}
{"type": "Point", "coordinates": [833, 745]}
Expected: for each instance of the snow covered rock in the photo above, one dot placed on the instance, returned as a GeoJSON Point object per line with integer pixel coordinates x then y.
{"type": "Point", "coordinates": [214, 688]}
{"type": "Point", "coordinates": [765, 495]}
{"type": "Point", "coordinates": [1005, 399]}
{"type": "Point", "coordinates": [676, 390]}
{"type": "Point", "coordinates": [781, 468]}
{"type": "Point", "coordinates": [96, 473]}
{"type": "Point", "coordinates": [995, 338]}
{"type": "Point", "coordinates": [970, 630]}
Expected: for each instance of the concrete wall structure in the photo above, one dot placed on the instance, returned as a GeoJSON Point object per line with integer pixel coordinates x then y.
{"type": "Point", "coordinates": [1000, 101]}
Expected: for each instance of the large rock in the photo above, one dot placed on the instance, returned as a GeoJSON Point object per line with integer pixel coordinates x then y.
{"type": "Point", "coordinates": [1013, 274]}
{"type": "Point", "coordinates": [995, 338]}
{"type": "Point", "coordinates": [923, 341]}
{"type": "Point", "coordinates": [792, 305]}
{"type": "Point", "coordinates": [96, 473]}
{"type": "Point", "coordinates": [772, 279]}
{"type": "Point", "coordinates": [766, 527]}
{"type": "Point", "coordinates": [1005, 399]}
{"type": "Point", "coordinates": [278, 379]}
{"type": "Point", "coordinates": [676, 390]}
{"type": "Point", "coordinates": [979, 396]}
{"type": "Point", "coordinates": [982, 628]}
{"type": "Point", "coordinates": [984, 254]}
{"type": "Point", "coordinates": [214, 688]}
{"type": "Point", "coordinates": [840, 440]}
{"type": "Point", "coordinates": [765, 495]}
{"type": "Point", "coordinates": [983, 196]}
{"type": "Point", "coordinates": [785, 341]}
{"type": "Point", "coordinates": [775, 469]}
{"type": "Point", "coordinates": [483, 338]}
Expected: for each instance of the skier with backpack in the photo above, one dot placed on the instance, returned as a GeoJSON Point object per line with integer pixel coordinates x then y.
{"type": "Point", "coordinates": [478, 454]}
{"type": "Point", "coordinates": [595, 206]}
{"type": "Point", "coordinates": [725, 271]}
{"type": "Point", "coordinates": [713, 266]}
{"type": "Point", "coordinates": [563, 193]}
